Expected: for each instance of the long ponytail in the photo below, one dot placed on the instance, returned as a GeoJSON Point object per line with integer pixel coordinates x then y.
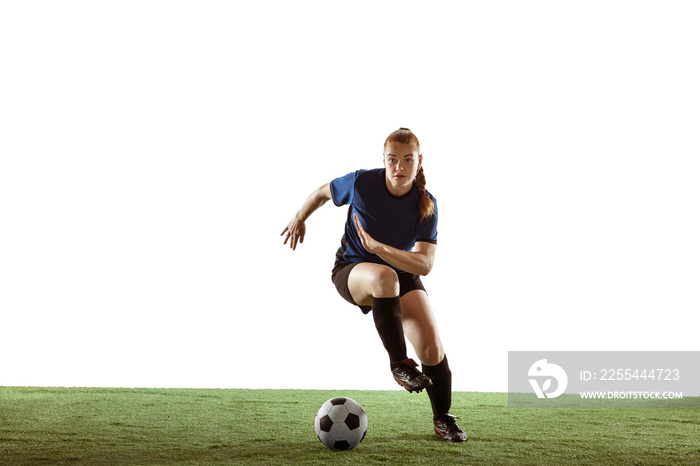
{"type": "Point", "coordinates": [426, 206]}
{"type": "Point", "coordinates": [406, 136]}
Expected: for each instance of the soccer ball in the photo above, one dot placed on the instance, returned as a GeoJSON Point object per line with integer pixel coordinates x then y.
{"type": "Point", "coordinates": [341, 423]}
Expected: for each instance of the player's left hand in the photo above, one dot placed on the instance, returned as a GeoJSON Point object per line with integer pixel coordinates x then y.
{"type": "Point", "coordinates": [371, 245]}
{"type": "Point", "coordinates": [295, 231]}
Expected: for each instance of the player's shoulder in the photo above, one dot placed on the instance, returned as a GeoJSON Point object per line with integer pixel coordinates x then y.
{"type": "Point", "coordinates": [370, 172]}
{"type": "Point", "coordinates": [427, 193]}
{"type": "Point", "coordinates": [364, 175]}
{"type": "Point", "coordinates": [359, 173]}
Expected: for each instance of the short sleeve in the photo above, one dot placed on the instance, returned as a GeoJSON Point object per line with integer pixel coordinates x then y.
{"type": "Point", "coordinates": [343, 188]}
{"type": "Point", "coordinates": [427, 229]}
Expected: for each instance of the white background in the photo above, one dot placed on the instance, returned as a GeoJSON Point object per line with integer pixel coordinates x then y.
{"type": "Point", "coordinates": [152, 152]}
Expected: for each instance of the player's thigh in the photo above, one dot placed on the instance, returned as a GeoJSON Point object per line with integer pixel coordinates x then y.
{"type": "Point", "coordinates": [420, 327]}
{"type": "Point", "coordinates": [367, 281]}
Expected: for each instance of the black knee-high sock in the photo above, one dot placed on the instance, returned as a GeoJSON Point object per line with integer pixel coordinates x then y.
{"type": "Point", "coordinates": [441, 392]}
{"type": "Point", "coordinates": [387, 319]}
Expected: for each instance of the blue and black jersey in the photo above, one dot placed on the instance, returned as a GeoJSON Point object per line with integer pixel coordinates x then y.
{"type": "Point", "coordinates": [389, 219]}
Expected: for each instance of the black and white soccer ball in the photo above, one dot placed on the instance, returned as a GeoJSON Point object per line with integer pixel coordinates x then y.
{"type": "Point", "coordinates": [341, 423]}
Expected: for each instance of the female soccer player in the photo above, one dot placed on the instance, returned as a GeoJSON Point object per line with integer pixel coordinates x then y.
{"type": "Point", "coordinates": [389, 242]}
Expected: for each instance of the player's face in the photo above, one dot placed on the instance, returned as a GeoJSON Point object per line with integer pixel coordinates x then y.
{"type": "Point", "coordinates": [402, 164]}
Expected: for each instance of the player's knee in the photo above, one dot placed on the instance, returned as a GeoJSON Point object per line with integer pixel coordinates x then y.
{"type": "Point", "coordinates": [431, 354]}
{"type": "Point", "coordinates": [386, 283]}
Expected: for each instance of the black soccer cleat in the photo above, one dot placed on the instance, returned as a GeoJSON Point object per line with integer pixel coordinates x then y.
{"type": "Point", "coordinates": [410, 378]}
{"type": "Point", "coordinates": [447, 428]}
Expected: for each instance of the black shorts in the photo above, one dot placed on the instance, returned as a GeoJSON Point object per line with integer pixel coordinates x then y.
{"type": "Point", "coordinates": [341, 272]}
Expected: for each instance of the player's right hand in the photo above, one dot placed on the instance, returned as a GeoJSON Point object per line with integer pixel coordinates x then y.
{"type": "Point", "coordinates": [295, 232]}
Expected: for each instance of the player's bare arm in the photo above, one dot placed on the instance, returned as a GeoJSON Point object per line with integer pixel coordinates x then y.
{"type": "Point", "coordinates": [296, 229]}
{"type": "Point", "coordinates": [419, 261]}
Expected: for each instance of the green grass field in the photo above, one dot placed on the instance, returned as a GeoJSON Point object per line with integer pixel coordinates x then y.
{"type": "Point", "coordinates": [95, 426]}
